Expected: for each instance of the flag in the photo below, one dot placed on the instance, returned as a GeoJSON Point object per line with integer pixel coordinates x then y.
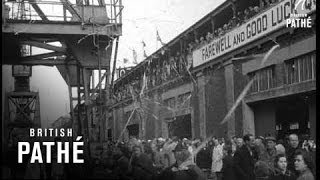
{"type": "Point", "coordinates": [145, 54]}
{"type": "Point", "coordinates": [143, 44]}
{"type": "Point", "coordinates": [134, 53]}
{"type": "Point", "coordinates": [125, 60]}
{"type": "Point", "coordinates": [144, 84]}
{"type": "Point", "coordinates": [159, 39]}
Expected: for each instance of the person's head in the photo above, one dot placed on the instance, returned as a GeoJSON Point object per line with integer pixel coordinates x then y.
{"type": "Point", "coordinates": [225, 26]}
{"type": "Point", "coordinates": [216, 142]}
{"type": "Point", "coordinates": [210, 143]}
{"type": "Point", "coordinates": [181, 153]}
{"type": "Point", "coordinates": [246, 12]}
{"type": "Point", "coordinates": [303, 161]}
{"type": "Point", "coordinates": [293, 140]}
{"type": "Point", "coordinates": [256, 9]}
{"type": "Point", "coordinates": [280, 162]}
{"type": "Point", "coordinates": [136, 150]}
{"type": "Point", "coordinates": [227, 150]}
{"type": "Point", "coordinates": [258, 141]}
{"type": "Point", "coordinates": [271, 142]}
{"type": "Point", "coordinates": [248, 140]}
{"type": "Point", "coordinates": [234, 138]}
{"type": "Point", "coordinates": [239, 142]}
{"type": "Point", "coordinates": [280, 149]}
{"type": "Point", "coordinates": [280, 141]}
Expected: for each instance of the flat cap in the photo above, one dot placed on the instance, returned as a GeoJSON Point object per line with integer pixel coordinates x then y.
{"type": "Point", "coordinates": [271, 138]}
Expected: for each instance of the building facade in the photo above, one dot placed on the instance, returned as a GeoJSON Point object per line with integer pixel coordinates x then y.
{"type": "Point", "coordinates": [187, 87]}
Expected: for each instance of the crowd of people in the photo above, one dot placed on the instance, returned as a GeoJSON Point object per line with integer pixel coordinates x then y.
{"type": "Point", "coordinates": [177, 63]}
{"type": "Point", "coordinates": [155, 74]}
{"type": "Point", "coordinates": [173, 158]}
{"type": "Point", "coordinates": [240, 18]}
{"type": "Point", "coordinates": [238, 158]}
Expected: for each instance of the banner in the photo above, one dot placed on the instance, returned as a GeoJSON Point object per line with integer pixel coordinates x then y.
{"type": "Point", "coordinates": [257, 27]}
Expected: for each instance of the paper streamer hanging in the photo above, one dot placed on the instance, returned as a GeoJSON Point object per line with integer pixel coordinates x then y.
{"type": "Point", "coordinates": [246, 89]}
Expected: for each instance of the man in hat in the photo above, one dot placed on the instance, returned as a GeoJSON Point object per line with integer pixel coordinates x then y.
{"type": "Point", "coordinates": [184, 168]}
{"type": "Point", "coordinates": [244, 159]}
{"type": "Point", "coordinates": [271, 151]}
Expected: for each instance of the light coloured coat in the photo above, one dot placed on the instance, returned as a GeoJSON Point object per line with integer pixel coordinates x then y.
{"type": "Point", "coordinates": [217, 156]}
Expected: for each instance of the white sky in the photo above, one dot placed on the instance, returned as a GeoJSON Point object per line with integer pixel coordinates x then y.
{"type": "Point", "coordinates": [141, 18]}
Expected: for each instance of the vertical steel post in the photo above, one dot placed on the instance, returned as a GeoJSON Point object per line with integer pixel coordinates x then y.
{"type": "Point", "coordinates": [100, 93]}
{"type": "Point", "coordinates": [64, 13]}
{"type": "Point", "coordinates": [86, 85]}
{"type": "Point", "coordinates": [79, 99]}
{"type": "Point", "coordinates": [70, 96]}
{"type": "Point", "coordinates": [114, 62]}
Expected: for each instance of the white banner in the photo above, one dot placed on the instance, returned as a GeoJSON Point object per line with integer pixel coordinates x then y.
{"type": "Point", "coordinates": [255, 28]}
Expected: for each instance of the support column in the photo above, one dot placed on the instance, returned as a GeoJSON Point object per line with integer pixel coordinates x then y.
{"type": "Point", "coordinates": [165, 131]}
{"type": "Point", "coordinates": [142, 124]}
{"type": "Point", "coordinates": [164, 125]}
{"type": "Point", "coordinates": [230, 97]}
{"type": "Point", "coordinates": [114, 123]}
{"type": "Point", "coordinates": [5, 121]}
{"type": "Point", "coordinates": [87, 126]}
{"type": "Point", "coordinates": [70, 98]}
{"type": "Point", "coordinates": [157, 108]}
{"type": "Point", "coordinates": [212, 24]}
{"type": "Point", "coordinates": [37, 117]}
{"type": "Point", "coordinates": [192, 107]}
{"type": "Point", "coordinates": [202, 103]}
{"type": "Point", "coordinates": [312, 118]}
{"type": "Point", "coordinates": [248, 119]}
{"type": "Point", "coordinates": [79, 100]}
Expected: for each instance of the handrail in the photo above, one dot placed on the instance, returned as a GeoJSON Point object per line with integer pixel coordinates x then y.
{"type": "Point", "coordinates": [24, 11]}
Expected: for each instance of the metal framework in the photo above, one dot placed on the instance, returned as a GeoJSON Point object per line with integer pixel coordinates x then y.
{"type": "Point", "coordinates": [80, 39]}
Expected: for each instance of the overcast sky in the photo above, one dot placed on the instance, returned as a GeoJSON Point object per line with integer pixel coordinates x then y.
{"type": "Point", "coordinates": [141, 19]}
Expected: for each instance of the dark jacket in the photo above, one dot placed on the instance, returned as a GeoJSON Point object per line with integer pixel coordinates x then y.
{"type": "Point", "coordinates": [306, 175]}
{"type": "Point", "coordinates": [290, 154]}
{"type": "Point", "coordinates": [203, 158]}
{"type": "Point", "coordinates": [244, 164]}
{"type": "Point", "coordinates": [227, 168]}
{"type": "Point", "coordinates": [278, 175]}
{"type": "Point", "coordinates": [142, 167]}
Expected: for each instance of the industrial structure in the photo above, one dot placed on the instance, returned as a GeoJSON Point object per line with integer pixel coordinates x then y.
{"type": "Point", "coordinates": [78, 38]}
{"type": "Point", "coordinates": [186, 88]}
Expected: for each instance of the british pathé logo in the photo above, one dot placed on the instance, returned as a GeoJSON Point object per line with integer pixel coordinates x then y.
{"type": "Point", "coordinates": [303, 4]}
{"type": "Point", "coordinates": [300, 17]}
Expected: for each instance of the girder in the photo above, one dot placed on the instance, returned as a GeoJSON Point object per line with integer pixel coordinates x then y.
{"type": "Point", "coordinates": [44, 46]}
{"type": "Point", "coordinates": [86, 36]}
{"type": "Point", "coordinates": [58, 28]}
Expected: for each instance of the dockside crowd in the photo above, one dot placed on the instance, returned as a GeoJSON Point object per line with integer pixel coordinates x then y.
{"type": "Point", "coordinates": [243, 158]}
